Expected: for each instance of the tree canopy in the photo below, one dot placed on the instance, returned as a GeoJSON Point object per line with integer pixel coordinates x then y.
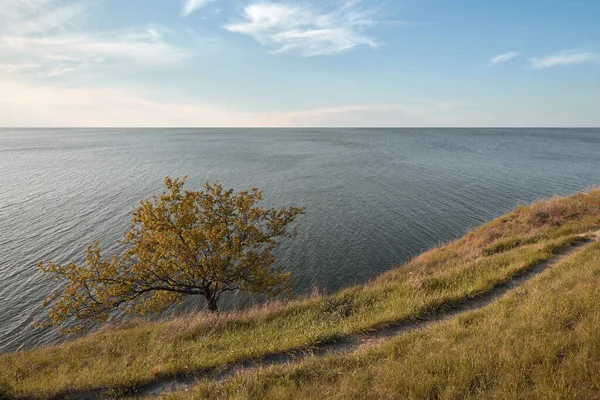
{"type": "Point", "coordinates": [180, 243]}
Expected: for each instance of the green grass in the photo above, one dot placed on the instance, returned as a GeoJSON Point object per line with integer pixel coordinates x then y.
{"type": "Point", "coordinates": [540, 341]}
{"type": "Point", "coordinates": [125, 356]}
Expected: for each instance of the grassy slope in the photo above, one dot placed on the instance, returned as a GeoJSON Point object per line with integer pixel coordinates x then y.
{"type": "Point", "coordinates": [464, 268]}
{"type": "Point", "coordinates": [540, 341]}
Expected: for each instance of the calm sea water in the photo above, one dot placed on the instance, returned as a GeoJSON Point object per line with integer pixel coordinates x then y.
{"type": "Point", "coordinates": [373, 198]}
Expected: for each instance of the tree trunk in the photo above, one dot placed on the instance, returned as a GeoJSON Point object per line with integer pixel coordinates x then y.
{"type": "Point", "coordinates": [211, 304]}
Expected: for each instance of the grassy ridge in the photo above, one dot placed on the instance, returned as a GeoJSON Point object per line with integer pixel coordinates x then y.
{"type": "Point", "coordinates": [469, 266]}
{"type": "Point", "coordinates": [540, 341]}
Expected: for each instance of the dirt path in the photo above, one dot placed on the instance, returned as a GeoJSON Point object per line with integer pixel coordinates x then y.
{"type": "Point", "coordinates": [345, 344]}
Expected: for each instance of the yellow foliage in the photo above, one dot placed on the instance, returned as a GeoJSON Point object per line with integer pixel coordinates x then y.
{"type": "Point", "coordinates": [180, 243]}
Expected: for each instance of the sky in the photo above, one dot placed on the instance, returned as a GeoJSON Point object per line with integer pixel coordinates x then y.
{"type": "Point", "coordinates": [299, 63]}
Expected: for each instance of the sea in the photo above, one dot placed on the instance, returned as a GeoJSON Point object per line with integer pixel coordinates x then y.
{"type": "Point", "coordinates": [374, 198]}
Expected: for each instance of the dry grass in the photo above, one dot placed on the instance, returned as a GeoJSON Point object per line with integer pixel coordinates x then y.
{"type": "Point", "coordinates": [134, 354]}
{"type": "Point", "coordinates": [541, 341]}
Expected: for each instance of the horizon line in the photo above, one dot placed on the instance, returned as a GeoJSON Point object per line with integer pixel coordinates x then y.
{"type": "Point", "coordinates": [300, 127]}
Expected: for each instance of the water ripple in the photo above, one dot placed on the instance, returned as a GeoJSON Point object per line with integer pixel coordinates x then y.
{"type": "Point", "coordinates": [374, 198]}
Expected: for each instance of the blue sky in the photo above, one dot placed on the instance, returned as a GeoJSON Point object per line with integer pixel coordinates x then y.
{"type": "Point", "coordinates": [299, 63]}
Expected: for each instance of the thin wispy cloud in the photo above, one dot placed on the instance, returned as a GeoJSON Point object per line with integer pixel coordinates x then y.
{"type": "Point", "coordinates": [40, 17]}
{"type": "Point", "coordinates": [409, 113]}
{"type": "Point", "coordinates": [306, 29]}
{"type": "Point", "coordinates": [141, 48]}
{"type": "Point", "coordinates": [189, 6]}
{"type": "Point", "coordinates": [566, 58]}
{"type": "Point", "coordinates": [51, 36]}
{"type": "Point", "coordinates": [502, 58]}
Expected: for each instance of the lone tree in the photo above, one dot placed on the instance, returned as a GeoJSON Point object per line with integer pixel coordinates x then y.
{"type": "Point", "coordinates": [180, 243]}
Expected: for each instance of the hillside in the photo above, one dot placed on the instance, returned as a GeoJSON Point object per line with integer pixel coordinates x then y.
{"type": "Point", "coordinates": [509, 310]}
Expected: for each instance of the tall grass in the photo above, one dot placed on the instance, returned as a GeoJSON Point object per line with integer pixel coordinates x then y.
{"type": "Point", "coordinates": [134, 354]}
{"type": "Point", "coordinates": [541, 341]}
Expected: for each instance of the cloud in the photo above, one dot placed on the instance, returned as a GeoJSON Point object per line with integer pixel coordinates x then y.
{"type": "Point", "coordinates": [410, 113]}
{"type": "Point", "coordinates": [59, 71]}
{"type": "Point", "coordinates": [141, 47]}
{"type": "Point", "coordinates": [571, 57]}
{"type": "Point", "coordinates": [23, 104]}
{"type": "Point", "coordinates": [304, 29]}
{"type": "Point", "coordinates": [51, 35]}
{"type": "Point", "coordinates": [189, 6]}
{"type": "Point", "coordinates": [12, 68]}
{"type": "Point", "coordinates": [502, 58]}
{"type": "Point", "coordinates": [41, 17]}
